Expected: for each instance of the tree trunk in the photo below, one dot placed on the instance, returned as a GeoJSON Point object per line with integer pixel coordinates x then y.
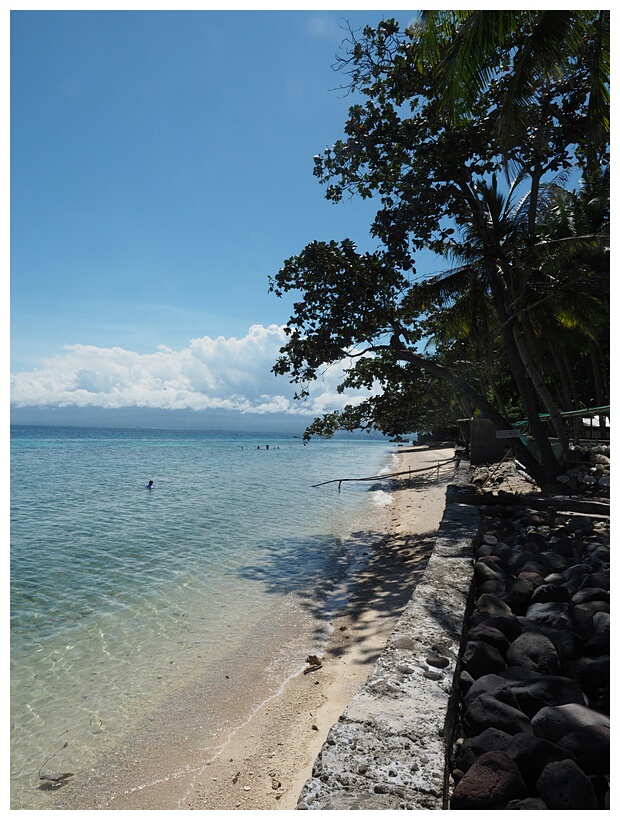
{"type": "Point", "coordinates": [543, 474]}
{"type": "Point", "coordinates": [519, 373]}
{"type": "Point", "coordinates": [541, 389]}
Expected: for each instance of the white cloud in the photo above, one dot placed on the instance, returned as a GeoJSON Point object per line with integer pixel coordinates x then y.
{"type": "Point", "coordinates": [221, 373]}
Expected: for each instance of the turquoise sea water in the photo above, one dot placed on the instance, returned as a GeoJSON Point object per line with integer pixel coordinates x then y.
{"type": "Point", "coordinates": [122, 597]}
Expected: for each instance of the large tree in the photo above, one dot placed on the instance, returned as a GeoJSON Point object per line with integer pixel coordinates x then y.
{"type": "Point", "coordinates": [436, 181]}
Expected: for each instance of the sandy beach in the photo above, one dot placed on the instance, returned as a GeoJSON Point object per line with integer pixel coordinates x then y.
{"type": "Point", "coordinates": [266, 763]}
{"type": "Point", "coordinates": [263, 764]}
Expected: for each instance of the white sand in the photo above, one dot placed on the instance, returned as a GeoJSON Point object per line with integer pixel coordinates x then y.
{"type": "Point", "coordinates": [264, 764]}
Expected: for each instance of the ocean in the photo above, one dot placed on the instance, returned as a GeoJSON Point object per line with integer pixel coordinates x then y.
{"type": "Point", "coordinates": [126, 600]}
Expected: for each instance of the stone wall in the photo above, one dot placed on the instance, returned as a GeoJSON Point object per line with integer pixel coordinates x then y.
{"type": "Point", "coordinates": [388, 749]}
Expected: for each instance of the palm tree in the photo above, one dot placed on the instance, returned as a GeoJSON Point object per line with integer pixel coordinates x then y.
{"type": "Point", "coordinates": [459, 49]}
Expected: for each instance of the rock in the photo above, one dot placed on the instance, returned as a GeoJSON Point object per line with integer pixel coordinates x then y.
{"type": "Point", "coordinates": [555, 578]}
{"type": "Point", "coordinates": [598, 643]}
{"type": "Point", "coordinates": [535, 652]}
{"type": "Point", "coordinates": [534, 693]}
{"type": "Point", "coordinates": [491, 740]}
{"type": "Point", "coordinates": [564, 785]}
{"type": "Point", "coordinates": [529, 803]}
{"type": "Point", "coordinates": [438, 661]}
{"type": "Point", "coordinates": [483, 572]}
{"type": "Point", "coordinates": [491, 685]}
{"type": "Point", "coordinates": [581, 617]}
{"type": "Point", "coordinates": [546, 593]}
{"type": "Point", "coordinates": [465, 682]}
{"type": "Point", "coordinates": [553, 722]}
{"type": "Point", "coordinates": [567, 644]}
{"type": "Point", "coordinates": [479, 658]}
{"type": "Point", "coordinates": [491, 781]}
{"type": "Point", "coordinates": [587, 594]}
{"type": "Point", "coordinates": [554, 614]}
{"type": "Point", "coordinates": [517, 594]}
{"type": "Point", "coordinates": [580, 523]}
{"type": "Point", "coordinates": [518, 559]}
{"type": "Point", "coordinates": [555, 560]}
{"type": "Point", "coordinates": [535, 578]}
{"type": "Point", "coordinates": [491, 635]}
{"type": "Point", "coordinates": [486, 712]}
{"type": "Point", "coordinates": [507, 625]}
{"type": "Point", "coordinates": [537, 565]}
{"type": "Point", "coordinates": [491, 587]}
{"type": "Point", "coordinates": [493, 604]}
{"type": "Point", "coordinates": [503, 551]}
{"type": "Point", "coordinates": [598, 580]}
{"type": "Point", "coordinates": [590, 746]}
{"type": "Point", "coordinates": [531, 755]}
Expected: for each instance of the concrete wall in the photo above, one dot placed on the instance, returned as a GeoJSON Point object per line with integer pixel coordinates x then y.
{"type": "Point", "coordinates": [388, 750]}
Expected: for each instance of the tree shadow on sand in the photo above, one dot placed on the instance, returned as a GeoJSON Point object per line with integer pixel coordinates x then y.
{"type": "Point", "coordinates": [370, 571]}
{"type": "Point", "coordinates": [330, 577]}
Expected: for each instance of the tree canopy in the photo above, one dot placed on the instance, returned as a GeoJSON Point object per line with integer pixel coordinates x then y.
{"type": "Point", "coordinates": [519, 214]}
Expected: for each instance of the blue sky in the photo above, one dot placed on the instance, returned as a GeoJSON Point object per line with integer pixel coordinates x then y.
{"type": "Point", "coordinates": [161, 170]}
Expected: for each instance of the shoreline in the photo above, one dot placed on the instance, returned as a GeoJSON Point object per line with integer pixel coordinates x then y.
{"type": "Point", "coordinates": [269, 752]}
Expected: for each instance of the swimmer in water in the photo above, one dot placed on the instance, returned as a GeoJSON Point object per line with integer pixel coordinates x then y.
{"type": "Point", "coordinates": [149, 486]}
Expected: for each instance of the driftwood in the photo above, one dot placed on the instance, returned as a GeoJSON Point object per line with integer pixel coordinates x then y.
{"type": "Point", "coordinates": [384, 476]}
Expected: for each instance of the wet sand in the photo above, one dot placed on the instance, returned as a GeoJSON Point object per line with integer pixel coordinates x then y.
{"type": "Point", "coordinates": [263, 764]}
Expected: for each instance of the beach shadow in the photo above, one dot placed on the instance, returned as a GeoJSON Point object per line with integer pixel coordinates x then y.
{"type": "Point", "coordinates": [325, 580]}
{"type": "Point", "coordinates": [318, 572]}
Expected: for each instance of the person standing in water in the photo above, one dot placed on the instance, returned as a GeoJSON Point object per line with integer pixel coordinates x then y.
{"type": "Point", "coordinates": [149, 486]}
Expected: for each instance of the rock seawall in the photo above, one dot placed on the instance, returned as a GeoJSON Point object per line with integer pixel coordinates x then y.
{"type": "Point", "coordinates": [536, 663]}
{"type": "Point", "coordinates": [493, 689]}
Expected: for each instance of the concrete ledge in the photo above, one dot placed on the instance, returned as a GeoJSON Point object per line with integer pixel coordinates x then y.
{"type": "Point", "coordinates": [388, 750]}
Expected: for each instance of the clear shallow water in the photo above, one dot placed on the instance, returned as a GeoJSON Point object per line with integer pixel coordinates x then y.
{"type": "Point", "coordinates": [121, 596]}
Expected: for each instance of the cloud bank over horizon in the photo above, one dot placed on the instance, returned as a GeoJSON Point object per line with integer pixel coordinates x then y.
{"type": "Point", "coordinates": [225, 374]}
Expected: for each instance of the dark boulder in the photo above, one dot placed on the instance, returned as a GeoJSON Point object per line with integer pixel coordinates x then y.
{"type": "Point", "coordinates": [582, 615]}
{"type": "Point", "coordinates": [547, 593]}
{"type": "Point", "coordinates": [491, 740]}
{"type": "Point", "coordinates": [492, 685]}
{"type": "Point", "coordinates": [553, 722]}
{"type": "Point", "coordinates": [535, 652]}
{"type": "Point", "coordinates": [564, 785]}
{"type": "Point", "coordinates": [597, 580]}
{"type": "Point", "coordinates": [479, 658]}
{"type": "Point", "coordinates": [579, 523]}
{"type": "Point", "coordinates": [554, 614]}
{"type": "Point", "coordinates": [518, 594]}
{"type": "Point", "coordinates": [532, 754]}
{"type": "Point", "coordinates": [518, 560]}
{"type": "Point", "coordinates": [535, 578]}
{"type": "Point", "coordinates": [491, 781]}
{"type": "Point", "coordinates": [534, 692]}
{"type": "Point", "coordinates": [590, 746]}
{"type": "Point", "coordinates": [598, 642]}
{"type": "Point", "coordinates": [493, 604]}
{"type": "Point", "coordinates": [583, 596]}
{"type": "Point", "coordinates": [528, 804]}
{"type": "Point", "coordinates": [490, 635]}
{"type": "Point", "coordinates": [507, 625]}
{"type": "Point", "coordinates": [567, 644]}
{"type": "Point", "coordinates": [486, 712]}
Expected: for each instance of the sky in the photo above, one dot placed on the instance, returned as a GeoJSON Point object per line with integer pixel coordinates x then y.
{"type": "Point", "coordinates": [161, 171]}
